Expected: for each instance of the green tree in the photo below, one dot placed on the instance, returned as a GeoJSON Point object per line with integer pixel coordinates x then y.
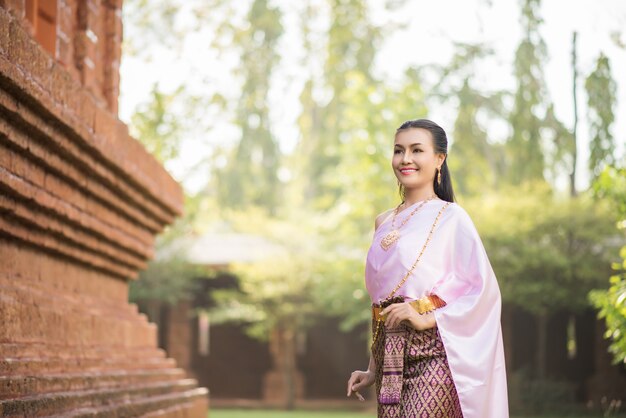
{"type": "Point", "coordinates": [524, 148]}
{"type": "Point", "coordinates": [611, 303]}
{"type": "Point", "coordinates": [271, 302]}
{"type": "Point", "coordinates": [250, 176]}
{"type": "Point", "coordinates": [366, 185]}
{"type": "Point", "coordinates": [601, 90]}
{"type": "Point", "coordinates": [274, 296]}
{"type": "Point", "coordinates": [562, 159]}
{"type": "Point", "coordinates": [547, 253]}
{"type": "Point", "coordinates": [169, 277]}
{"type": "Point", "coordinates": [471, 142]}
{"type": "Point", "coordinates": [148, 23]}
{"type": "Point", "coordinates": [350, 51]}
{"type": "Point", "coordinates": [156, 126]}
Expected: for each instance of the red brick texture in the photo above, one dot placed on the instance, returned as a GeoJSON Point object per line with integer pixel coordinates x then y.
{"type": "Point", "coordinates": [80, 204]}
{"type": "Point", "coordinates": [178, 336]}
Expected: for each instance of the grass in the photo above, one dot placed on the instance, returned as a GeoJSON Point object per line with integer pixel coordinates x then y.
{"type": "Point", "coordinates": [257, 413]}
{"type": "Point", "coordinates": [250, 413]}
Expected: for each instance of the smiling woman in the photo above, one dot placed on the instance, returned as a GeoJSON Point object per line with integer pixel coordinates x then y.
{"type": "Point", "coordinates": [417, 156]}
{"type": "Point", "coordinates": [437, 342]}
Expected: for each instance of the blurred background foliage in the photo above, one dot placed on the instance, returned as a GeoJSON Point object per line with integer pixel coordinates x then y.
{"type": "Point", "coordinates": [550, 245]}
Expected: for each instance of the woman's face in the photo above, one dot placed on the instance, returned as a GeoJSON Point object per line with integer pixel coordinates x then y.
{"type": "Point", "coordinates": [414, 159]}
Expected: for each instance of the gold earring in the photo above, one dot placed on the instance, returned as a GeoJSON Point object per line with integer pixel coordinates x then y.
{"type": "Point", "coordinates": [438, 176]}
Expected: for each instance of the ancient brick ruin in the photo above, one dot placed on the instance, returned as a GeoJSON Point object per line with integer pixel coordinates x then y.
{"type": "Point", "coordinates": [80, 204]}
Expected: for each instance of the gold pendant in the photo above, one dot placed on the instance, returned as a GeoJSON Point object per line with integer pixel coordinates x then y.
{"type": "Point", "coordinates": [390, 239]}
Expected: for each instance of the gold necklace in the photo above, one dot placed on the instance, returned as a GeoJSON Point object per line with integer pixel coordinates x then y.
{"type": "Point", "coordinates": [394, 235]}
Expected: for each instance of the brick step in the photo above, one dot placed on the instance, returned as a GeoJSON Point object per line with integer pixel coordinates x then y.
{"type": "Point", "coordinates": [19, 386]}
{"type": "Point", "coordinates": [34, 366]}
{"type": "Point", "coordinates": [67, 403]}
{"type": "Point", "coordinates": [70, 352]}
{"type": "Point", "coordinates": [64, 225]}
{"type": "Point", "coordinates": [64, 302]}
{"type": "Point", "coordinates": [57, 325]}
{"type": "Point", "coordinates": [189, 404]}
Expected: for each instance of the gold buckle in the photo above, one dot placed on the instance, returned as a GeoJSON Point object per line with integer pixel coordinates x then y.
{"type": "Point", "coordinates": [422, 305]}
{"type": "Point", "coordinates": [376, 313]}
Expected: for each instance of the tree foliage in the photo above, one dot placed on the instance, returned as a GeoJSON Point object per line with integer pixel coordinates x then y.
{"type": "Point", "coordinates": [156, 126]}
{"type": "Point", "coordinates": [326, 122]}
{"type": "Point", "coordinates": [611, 303]}
{"type": "Point", "coordinates": [525, 153]}
{"type": "Point", "coordinates": [169, 277]}
{"type": "Point", "coordinates": [273, 293]}
{"type": "Point", "coordinates": [601, 89]}
{"type": "Point", "coordinates": [470, 140]}
{"type": "Point", "coordinates": [250, 177]}
{"type": "Point", "coordinates": [547, 254]}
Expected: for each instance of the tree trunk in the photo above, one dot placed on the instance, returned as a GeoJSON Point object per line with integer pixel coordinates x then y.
{"type": "Point", "coordinates": [507, 335]}
{"type": "Point", "coordinates": [290, 368]}
{"type": "Point", "coordinates": [575, 127]}
{"type": "Point", "coordinates": [542, 340]}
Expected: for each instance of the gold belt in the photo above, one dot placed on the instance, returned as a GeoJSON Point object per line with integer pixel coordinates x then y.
{"type": "Point", "coordinates": [421, 305]}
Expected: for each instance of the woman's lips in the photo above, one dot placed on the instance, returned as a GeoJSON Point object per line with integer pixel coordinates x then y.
{"type": "Point", "coordinates": [408, 171]}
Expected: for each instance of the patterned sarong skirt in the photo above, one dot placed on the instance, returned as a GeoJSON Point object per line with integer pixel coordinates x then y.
{"type": "Point", "coordinates": [428, 390]}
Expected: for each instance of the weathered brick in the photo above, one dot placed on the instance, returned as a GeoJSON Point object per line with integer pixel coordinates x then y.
{"type": "Point", "coordinates": [87, 110]}
{"type": "Point", "coordinates": [21, 166]}
{"type": "Point", "coordinates": [113, 22]}
{"type": "Point", "coordinates": [24, 231]}
{"type": "Point", "coordinates": [72, 95]}
{"type": "Point", "coordinates": [41, 67]}
{"type": "Point", "coordinates": [15, 7]}
{"type": "Point", "coordinates": [18, 166]}
{"type": "Point", "coordinates": [17, 42]}
{"type": "Point", "coordinates": [61, 84]}
{"type": "Point", "coordinates": [5, 155]}
{"type": "Point", "coordinates": [105, 123]}
{"type": "Point", "coordinates": [112, 96]}
{"type": "Point", "coordinates": [24, 52]}
{"type": "Point", "coordinates": [82, 45]}
{"type": "Point", "coordinates": [7, 255]}
{"type": "Point", "coordinates": [85, 200]}
{"type": "Point", "coordinates": [65, 49]}
{"type": "Point", "coordinates": [114, 3]}
{"type": "Point", "coordinates": [10, 104]}
{"type": "Point", "coordinates": [81, 237]}
{"type": "Point", "coordinates": [60, 189]}
{"type": "Point", "coordinates": [4, 32]}
{"type": "Point", "coordinates": [66, 17]}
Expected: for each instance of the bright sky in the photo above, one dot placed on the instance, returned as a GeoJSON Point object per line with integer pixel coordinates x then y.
{"type": "Point", "coordinates": [431, 29]}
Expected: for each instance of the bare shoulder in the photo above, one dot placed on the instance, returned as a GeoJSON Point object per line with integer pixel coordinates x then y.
{"type": "Point", "coordinates": [382, 217]}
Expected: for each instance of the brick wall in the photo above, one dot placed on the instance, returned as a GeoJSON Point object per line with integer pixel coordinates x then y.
{"type": "Point", "coordinates": [80, 204]}
{"type": "Point", "coordinates": [86, 40]}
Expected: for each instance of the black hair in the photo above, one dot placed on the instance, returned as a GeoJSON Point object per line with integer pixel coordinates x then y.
{"type": "Point", "coordinates": [440, 143]}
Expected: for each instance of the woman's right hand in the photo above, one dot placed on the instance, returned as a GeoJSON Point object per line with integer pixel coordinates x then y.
{"type": "Point", "coordinates": [359, 380]}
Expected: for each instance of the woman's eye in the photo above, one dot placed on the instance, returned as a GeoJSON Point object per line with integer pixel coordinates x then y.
{"type": "Point", "coordinates": [397, 151]}
{"type": "Point", "coordinates": [417, 150]}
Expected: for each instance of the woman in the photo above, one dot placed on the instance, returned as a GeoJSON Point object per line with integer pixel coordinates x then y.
{"type": "Point", "coordinates": [437, 341]}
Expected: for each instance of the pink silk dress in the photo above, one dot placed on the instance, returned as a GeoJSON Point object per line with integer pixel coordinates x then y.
{"type": "Point", "coordinates": [456, 268]}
